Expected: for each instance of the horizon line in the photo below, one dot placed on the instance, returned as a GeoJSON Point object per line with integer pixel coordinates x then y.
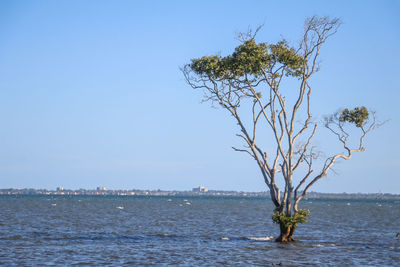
{"type": "Point", "coordinates": [101, 188]}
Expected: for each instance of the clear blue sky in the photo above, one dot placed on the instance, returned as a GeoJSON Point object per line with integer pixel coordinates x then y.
{"type": "Point", "coordinates": [91, 93]}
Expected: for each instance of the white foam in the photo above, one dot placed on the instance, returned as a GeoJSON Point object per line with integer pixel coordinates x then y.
{"type": "Point", "coordinates": [188, 203]}
{"type": "Point", "coordinates": [224, 238]}
{"type": "Point", "coordinates": [264, 238]}
{"type": "Point", "coordinates": [325, 245]}
{"type": "Point", "coordinates": [120, 207]}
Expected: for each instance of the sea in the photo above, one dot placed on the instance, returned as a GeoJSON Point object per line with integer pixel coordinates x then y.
{"type": "Point", "coordinates": [193, 231]}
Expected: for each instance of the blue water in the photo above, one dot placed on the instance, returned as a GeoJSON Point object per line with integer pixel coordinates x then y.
{"type": "Point", "coordinates": [192, 231]}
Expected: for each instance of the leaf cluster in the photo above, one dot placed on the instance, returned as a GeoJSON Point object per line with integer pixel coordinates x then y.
{"type": "Point", "coordinates": [301, 216]}
{"type": "Point", "coordinates": [358, 116]}
{"type": "Point", "coordinates": [249, 58]}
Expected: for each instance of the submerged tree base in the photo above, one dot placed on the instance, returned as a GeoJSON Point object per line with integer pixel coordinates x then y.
{"type": "Point", "coordinates": [287, 232]}
{"type": "Point", "coordinates": [282, 239]}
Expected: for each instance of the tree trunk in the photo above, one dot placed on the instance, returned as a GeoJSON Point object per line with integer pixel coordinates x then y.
{"type": "Point", "coordinates": [286, 233]}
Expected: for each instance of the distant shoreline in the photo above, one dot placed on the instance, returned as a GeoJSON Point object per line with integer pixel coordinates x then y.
{"type": "Point", "coordinates": [171, 193]}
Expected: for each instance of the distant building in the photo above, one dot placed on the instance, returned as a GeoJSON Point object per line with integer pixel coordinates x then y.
{"type": "Point", "coordinates": [101, 188]}
{"type": "Point", "coordinates": [60, 188]}
{"type": "Point", "coordinates": [200, 189]}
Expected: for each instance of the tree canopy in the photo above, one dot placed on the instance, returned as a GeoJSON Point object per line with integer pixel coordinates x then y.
{"type": "Point", "coordinates": [249, 59]}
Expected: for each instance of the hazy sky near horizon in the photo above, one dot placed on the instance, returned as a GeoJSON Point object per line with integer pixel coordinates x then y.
{"type": "Point", "coordinates": [91, 93]}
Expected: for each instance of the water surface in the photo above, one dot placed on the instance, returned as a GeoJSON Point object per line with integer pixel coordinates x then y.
{"type": "Point", "coordinates": [58, 230]}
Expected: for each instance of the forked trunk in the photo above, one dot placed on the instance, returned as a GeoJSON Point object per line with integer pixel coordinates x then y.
{"type": "Point", "coordinates": [286, 233]}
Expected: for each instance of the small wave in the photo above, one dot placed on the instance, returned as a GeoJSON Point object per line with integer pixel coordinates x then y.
{"type": "Point", "coordinates": [120, 207]}
{"type": "Point", "coordinates": [54, 204]}
{"type": "Point", "coordinates": [163, 234]}
{"type": "Point", "coordinates": [188, 203]}
{"type": "Point", "coordinates": [348, 204]}
{"type": "Point", "coordinates": [324, 245]}
{"type": "Point", "coordinates": [264, 238]}
{"type": "Point", "coordinates": [169, 200]}
{"type": "Point", "coordinates": [14, 237]}
{"type": "Point", "coordinates": [224, 238]}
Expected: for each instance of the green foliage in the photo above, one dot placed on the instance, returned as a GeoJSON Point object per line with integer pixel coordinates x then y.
{"type": "Point", "coordinates": [357, 116]}
{"type": "Point", "coordinates": [300, 216]}
{"type": "Point", "coordinates": [285, 55]}
{"type": "Point", "coordinates": [211, 66]}
{"type": "Point", "coordinates": [249, 58]}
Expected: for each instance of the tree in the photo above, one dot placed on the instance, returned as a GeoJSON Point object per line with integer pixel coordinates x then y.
{"type": "Point", "coordinates": [250, 84]}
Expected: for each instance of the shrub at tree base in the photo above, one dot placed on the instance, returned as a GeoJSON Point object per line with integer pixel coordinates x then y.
{"type": "Point", "coordinates": [289, 223]}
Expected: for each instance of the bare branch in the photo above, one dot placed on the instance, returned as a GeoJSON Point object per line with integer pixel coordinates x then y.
{"type": "Point", "coordinates": [243, 150]}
